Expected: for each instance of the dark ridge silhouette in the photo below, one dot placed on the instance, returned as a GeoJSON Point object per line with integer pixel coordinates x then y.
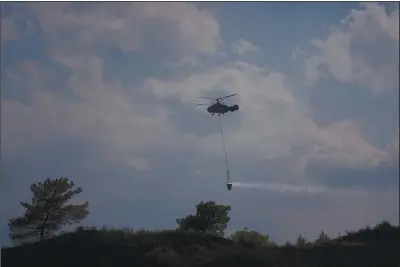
{"type": "Point", "coordinates": [383, 234]}
{"type": "Point", "coordinates": [374, 247]}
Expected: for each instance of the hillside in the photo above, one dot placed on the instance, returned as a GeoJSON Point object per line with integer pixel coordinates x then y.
{"type": "Point", "coordinates": [374, 248]}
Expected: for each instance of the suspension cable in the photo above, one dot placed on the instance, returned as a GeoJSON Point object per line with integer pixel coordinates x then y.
{"type": "Point", "coordinates": [223, 143]}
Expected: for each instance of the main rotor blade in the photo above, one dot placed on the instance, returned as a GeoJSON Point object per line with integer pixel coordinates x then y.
{"type": "Point", "coordinates": [203, 104]}
{"type": "Point", "coordinates": [226, 96]}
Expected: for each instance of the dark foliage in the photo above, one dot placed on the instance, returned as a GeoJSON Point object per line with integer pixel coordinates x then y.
{"type": "Point", "coordinates": [250, 238]}
{"type": "Point", "coordinates": [323, 238]}
{"type": "Point", "coordinates": [209, 218]}
{"type": "Point", "coordinates": [120, 248]}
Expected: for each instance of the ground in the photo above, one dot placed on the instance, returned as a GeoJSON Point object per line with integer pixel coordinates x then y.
{"type": "Point", "coordinates": [366, 248]}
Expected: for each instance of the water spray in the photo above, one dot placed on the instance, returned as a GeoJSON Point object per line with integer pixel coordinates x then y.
{"type": "Point", "coordinates": [282, 188]}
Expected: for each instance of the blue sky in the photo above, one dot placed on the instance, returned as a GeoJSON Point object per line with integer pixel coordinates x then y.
{"type": "Point", "coordinates": [106, 94]}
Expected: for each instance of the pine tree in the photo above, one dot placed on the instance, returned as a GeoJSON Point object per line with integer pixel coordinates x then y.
{"type": "Point", "coordinates": [301, 241]}
{"type": "Point", "coordinates": [48, 212]}
{"type": "Point", "coordinates": [322, 238]}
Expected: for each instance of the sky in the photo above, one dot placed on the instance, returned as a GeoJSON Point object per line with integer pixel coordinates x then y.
{"type": "Point", "coordinates": [106, 94]}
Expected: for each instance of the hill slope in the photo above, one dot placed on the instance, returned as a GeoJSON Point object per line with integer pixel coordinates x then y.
{"type": "Point", "coordinates": [171, 248]}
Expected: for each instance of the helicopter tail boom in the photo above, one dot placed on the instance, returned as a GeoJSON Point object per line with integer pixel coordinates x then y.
{"type": "Point", "coordinates": [233, 108]}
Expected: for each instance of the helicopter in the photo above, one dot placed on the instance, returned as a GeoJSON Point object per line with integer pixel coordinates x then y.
{"type": "Point", "coordinates": [218, 107]}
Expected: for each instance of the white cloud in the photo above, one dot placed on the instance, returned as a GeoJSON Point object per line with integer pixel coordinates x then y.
{"type": "Point", "coordinates": [105, 113]}
{"type": "Point", "coordinates": [374, 16]}
{"type": "Point", "coordinates": [341, 143]}
{"type": "Point", "coordinates": [242, 47]}
{"type": "Point", "coordinates": [393, 149]}
{"type": "Point", "coordinates": [273, 121]}
{"type": "Point", "coordinates": [173, 30]}
{"type": "Point", "coordinates": [298, 52]}
{"type": "Point", "coordinates": [364, 49]}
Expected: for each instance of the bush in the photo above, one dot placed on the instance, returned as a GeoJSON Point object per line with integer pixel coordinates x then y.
{"type": "Point", "coordinates": [250, 238]}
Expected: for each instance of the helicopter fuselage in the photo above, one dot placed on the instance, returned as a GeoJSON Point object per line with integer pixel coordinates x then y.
{"type": "Point", "coordinates": [219, 108]}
